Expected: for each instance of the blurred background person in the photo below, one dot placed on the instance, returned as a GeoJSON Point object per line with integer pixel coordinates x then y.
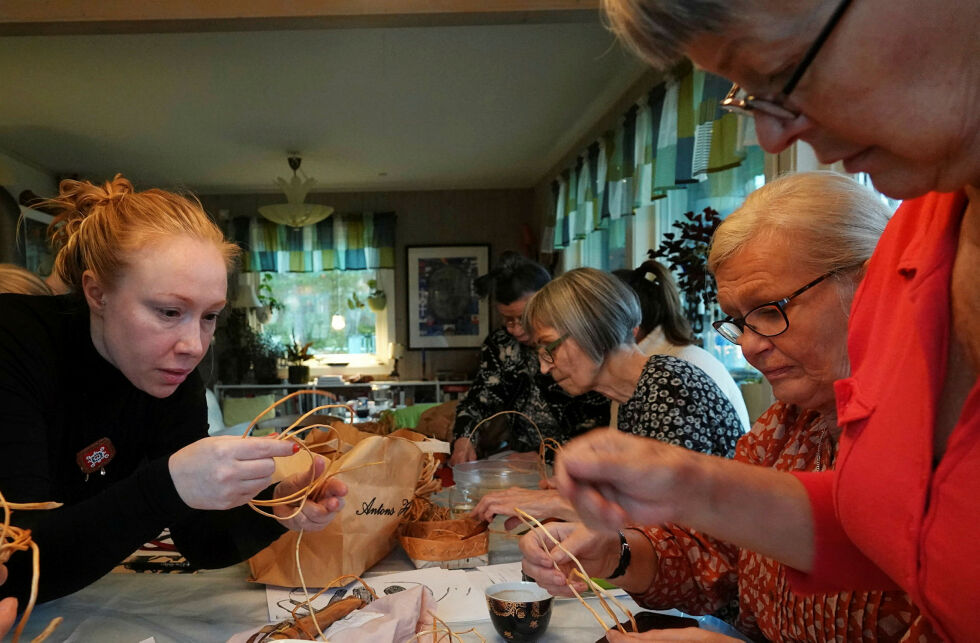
{"type": "Point", "coordinates": [20, 280]}
{"type": "Point", "coordinates": [665, 331]}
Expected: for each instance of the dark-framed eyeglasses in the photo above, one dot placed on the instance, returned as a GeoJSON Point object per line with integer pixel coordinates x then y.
{"type": "Point", "coordinates": [739, 102]}
{"type": "Point", "coordinates": [768, 319]}
{"type": "Point", "coordinates": [546, 353]}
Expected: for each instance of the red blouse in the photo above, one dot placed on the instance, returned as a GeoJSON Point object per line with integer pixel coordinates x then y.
{"type": "Point", "coordinates": [699, 575]}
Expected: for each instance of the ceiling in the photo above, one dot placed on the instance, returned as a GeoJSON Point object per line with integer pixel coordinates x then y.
{"type": "Point", "coordinates": [425, 104]}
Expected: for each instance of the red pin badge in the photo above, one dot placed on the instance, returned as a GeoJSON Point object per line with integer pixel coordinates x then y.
{"type": "Point", "coordinates": [95, 456]}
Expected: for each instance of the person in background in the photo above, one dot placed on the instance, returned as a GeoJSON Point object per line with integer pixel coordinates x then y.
{"type": "Point", "coordinates": [103, 410]}
{"type": "Point", "coordinates": [900, 509]}
{"type": "Point", "coordinates": [16, 279]}
{"type": "Point", "coordinates": [669, 566]}
{"type": "Point", "coordinates": [583, 323]}
{"type": "Point", "coordinates": [509, 377]}
{"type": "Point", "coordinates": [665, 331]}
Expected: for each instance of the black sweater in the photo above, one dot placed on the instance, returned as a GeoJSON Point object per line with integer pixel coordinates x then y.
{"type": "Point", "coordinates": [57, 396]}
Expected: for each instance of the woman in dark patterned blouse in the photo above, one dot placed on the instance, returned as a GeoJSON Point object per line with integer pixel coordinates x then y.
{"type": "Point", "coordinates": [509, 377]}
{"type": "Point", "coordinates": [582, 323]}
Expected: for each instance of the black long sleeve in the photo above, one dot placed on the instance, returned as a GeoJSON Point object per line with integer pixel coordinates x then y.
{"type": "Point", "coordinates": [57, 396]}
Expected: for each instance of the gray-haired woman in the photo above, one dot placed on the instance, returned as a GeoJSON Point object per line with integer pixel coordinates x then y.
{"type": "Point", "coordinates": [582, 323]}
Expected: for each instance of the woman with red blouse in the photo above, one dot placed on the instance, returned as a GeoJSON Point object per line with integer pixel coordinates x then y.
{"type": "Point", "coordinates": [791, 257]}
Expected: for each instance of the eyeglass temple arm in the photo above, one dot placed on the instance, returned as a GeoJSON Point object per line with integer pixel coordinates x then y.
{"type": "Point", "coordinates": [811, 53]}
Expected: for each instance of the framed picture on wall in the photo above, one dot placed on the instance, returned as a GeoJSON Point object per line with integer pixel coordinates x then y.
{"type": "Point", "coordinates": [443, 308]}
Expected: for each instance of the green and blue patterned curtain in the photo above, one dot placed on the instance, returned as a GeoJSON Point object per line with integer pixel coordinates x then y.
{"type": "Point", "coordinates": [355, 241]}
{"type": "Point", "coordinates": [674, 151]}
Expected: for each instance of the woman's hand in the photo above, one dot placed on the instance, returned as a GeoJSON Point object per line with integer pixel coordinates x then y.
{"type": "Point", "coordinates": [320, 507]}
{"type": "Point", "coordinates": [597, 551]}
{"type": "Point", "coordinates": [679, 634]}
{"type": "Point", "coordinates": [540, 503]}
{"type": "Point", "coordinates": [222, 472]}
{"type": "Point", "coordinates": [463, 451]}
{"type": "Point", "coordinates": [612, 478]}
{"type": "Point", "coordinates": [8, 608]}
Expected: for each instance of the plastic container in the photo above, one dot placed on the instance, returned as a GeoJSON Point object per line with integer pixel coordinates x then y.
{"type": "Point", "coordinates": [474, 479]}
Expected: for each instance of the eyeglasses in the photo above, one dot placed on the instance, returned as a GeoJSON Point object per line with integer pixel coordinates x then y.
{"type": "Point", "coordinates": [546, 353]}
{"type": "Point", "coordinates": [739, 102]}
{"type": "Point", "coordinates": [767, 320]}
{"type": "Point", "coordinates": [511, 322]}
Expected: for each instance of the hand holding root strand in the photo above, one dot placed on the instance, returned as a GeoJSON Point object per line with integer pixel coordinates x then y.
{"type": "Point", "coordinates": [222, 472]}
{"type": "Point", "coordinates": [597, 551]}
{"type": "Point", "coordinates": [612, 478]}
{"type": "Point", "coordinates": [320, 507]}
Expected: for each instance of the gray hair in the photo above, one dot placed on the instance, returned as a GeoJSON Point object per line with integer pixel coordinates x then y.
{"type": "Point", "coordinates": [833, 221]}
{"type": "Point", "coordinates": [658, 30]}
{"type": "Point", "coordinates": [593, 307]}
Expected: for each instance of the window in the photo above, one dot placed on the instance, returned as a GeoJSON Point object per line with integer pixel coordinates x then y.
{"type": "Point", "coordinates": [311, 303]}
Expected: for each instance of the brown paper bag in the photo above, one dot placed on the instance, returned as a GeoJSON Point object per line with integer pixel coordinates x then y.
{"type": "Point", "coordinates": [381, 474]}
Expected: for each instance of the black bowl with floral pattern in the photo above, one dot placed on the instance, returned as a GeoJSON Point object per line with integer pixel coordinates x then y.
{"type": "Point", "coordinates": [519, 610]}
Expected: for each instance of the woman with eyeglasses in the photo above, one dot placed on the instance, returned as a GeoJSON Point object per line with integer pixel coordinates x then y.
{"type": "Point", "coordinates": [508, 377]}
{"type": "Point", "coordinates": [891, 88]}
{"type": "Point", "coordinates": [583, 323]}
{"type": "Point", "coordinates": [797, 337]}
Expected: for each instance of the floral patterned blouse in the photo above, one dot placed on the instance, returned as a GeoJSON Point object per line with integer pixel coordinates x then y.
{"type": "Point", "coordinates": [700, 575]}
{"type": "Point", "coordinates": [510, 378]}
{"type": "Point", "coordinates": [676, 402]}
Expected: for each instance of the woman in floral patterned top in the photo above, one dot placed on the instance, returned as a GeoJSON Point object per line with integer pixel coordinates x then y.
{"type": "Point", "coordinates": [583, 322]}
{"type": "Point", "coordinates": [509, 377]}
{"type": "Point", "coordinates": [675, 567]}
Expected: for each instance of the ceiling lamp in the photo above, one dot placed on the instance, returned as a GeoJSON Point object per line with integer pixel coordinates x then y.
{"type": "Point", "coordinates": [295, 212]}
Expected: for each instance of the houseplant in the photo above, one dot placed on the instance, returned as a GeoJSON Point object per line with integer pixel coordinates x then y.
{"type": "Point", "coordinates": [265, 353]}
{"type": "Point", "coordinates": [687, 255]}
{"type": "Point", "coordinates": [376, 298]}
{"type": "Point", "coordinates": [296, 356]}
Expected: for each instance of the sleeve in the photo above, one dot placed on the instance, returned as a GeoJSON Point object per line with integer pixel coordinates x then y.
{"type": "Point", "coordinates": [83, 540]}
{"type": "Point", "coordinates": [695, 573]}
{"type": "Point", "coordinates": [491, 391]}
{"type": "Point", "coordinates": [214, 539]}
{"type": "Point", "coordinates": [838, 564]}
{"type": "Point", "coordinates": [208, 539]}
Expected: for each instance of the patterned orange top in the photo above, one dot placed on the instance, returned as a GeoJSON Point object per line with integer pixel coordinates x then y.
{"type": "Point", "coordinates": [700, 575]}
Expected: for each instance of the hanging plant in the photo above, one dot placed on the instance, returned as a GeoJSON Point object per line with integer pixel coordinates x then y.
{"type": "Point", "coordinates": [687, 255]}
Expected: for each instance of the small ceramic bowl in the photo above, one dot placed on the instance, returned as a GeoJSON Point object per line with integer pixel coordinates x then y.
{"type": "Point", "coordinates": [519, 610]}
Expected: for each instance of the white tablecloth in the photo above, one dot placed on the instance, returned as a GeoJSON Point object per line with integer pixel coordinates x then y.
{"type": "Point", "coordinates": [212, 605]}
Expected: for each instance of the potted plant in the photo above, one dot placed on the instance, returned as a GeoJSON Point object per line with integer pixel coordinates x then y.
{"type": "Point", "coordinates": [376, 298]}
{"type": "Point", "coordinates": [296, 355]}
{"type": "Point", "coordinates": [687, 255]}
{"type": "Point", "coordinates": [265, 352]}
{"type": "Point", "coordinates": [270, 305]}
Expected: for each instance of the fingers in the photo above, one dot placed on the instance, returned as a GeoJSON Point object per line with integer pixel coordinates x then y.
{"type": "Point", "coordinates": [258, 448]}
{"type": "Point", "coordinates": [463, 451]}
{"type": "Point", "coordinates": [8, 614]}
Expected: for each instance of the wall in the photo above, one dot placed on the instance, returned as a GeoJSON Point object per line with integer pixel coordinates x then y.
{"type": "Point", "coordinates": [15, 177]}
{"type": "Point", "coordinates": [447, 217]}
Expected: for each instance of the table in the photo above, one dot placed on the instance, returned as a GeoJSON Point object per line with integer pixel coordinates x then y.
{"type": "Point", "coordinates": [212, 605]}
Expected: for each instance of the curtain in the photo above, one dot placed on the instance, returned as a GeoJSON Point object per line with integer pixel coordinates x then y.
{"type": "Point", "coordinates": [674, 151]}
{"type": "Point", "coordinates": [356, 241]}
